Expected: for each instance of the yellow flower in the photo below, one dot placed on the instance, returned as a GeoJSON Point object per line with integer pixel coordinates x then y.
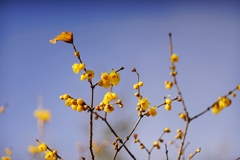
{"type": "Point", "coordinates": [77, 67]}
{"type": "Point", "coordinates": [108, 97]}
{"type": "Point", "coordinates": [183, 116]}
{"type": "Point", "coordinates": [140, 83]}
{"type": "Point", "coordinates": [155, 144]}
{"type": "Point", "coordinates": [32, 149]}
{"type": "Point", "coordinates": [168, 101]}
{"type": "Point", "coordinates": [135, 86]}
{"type": "Point", "coordinates": [167, 130]}
{"type": "Point", "coordinates": [80, 101]}
{"type": "Point", "coordinates": [114, 77]}
{"type": "Point", "coordinates": [168, 84]}
{"type": "Point", "coordinates": [238, 87]}
{"type": "Point", "coordinates": [224, 102]}
{"type": "Point", "coordinates": [144, 103]}
{"type": "Point", "coordinates": [198, 150]}
{"type": "Point", "coordinates": [114, 96]}
{"type": "Point", "coordinates": [49, 155]}
{"type": "Point", "coordinates": [108, 108]}
{"type": "Point", "coordinates": [106, 84]}
{"type": "Point", "coordinates": [74, 107]}
{"type": "Point", "coordinates": [168, 107]}
{"type": "Point", "coordinates": [64, 36]}
{"type": "Point", "coordinates": [105, 77]}
{"type": "Point", "coordinates": [65, 96]}
{"type": "Point", "coordinates": [153, 111]}
{"type": "Point", "coordinates": [174, 58]}
{"type": "Point", "coordinates": [84, 76]}
{"type": "Point", "coordinates": [79, 108]}
{"type": "Point", "coordinates": [90, 74]}
{"type": "Point", "coordinates": [68, 102]}
{"type": "Point", "coordinates": [42, 147]}
{"type": "Point", "coordinates": [43, 114]}
{"type": "Point", "coordinates": [215, 108]}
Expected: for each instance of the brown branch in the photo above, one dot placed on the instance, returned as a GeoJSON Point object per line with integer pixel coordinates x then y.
{"type": "Point", "coordinates": [149, 153]}
{"type": "Point", "coordinates": [127, 138]}
{"type": "Point", "coordinates": [184, 148]}
{"type": "Point", "coordinates": [182, 100]}
{"type": "Point", "coordinates": [91, 125]}
{"type": "Point", "coordinates": [115, 134]}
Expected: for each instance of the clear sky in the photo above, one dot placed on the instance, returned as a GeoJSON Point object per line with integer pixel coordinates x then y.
{"type": "Point", "coordinates": [111, 34]}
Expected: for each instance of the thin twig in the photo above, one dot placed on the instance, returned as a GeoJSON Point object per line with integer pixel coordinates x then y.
{"type": "Point", "coordinates": [115, 134]}
{"type": "Point", "coordinates": [166, 151]}
{"type": "Point", "coordinates": [127, 138]}
{"type": "Point", "coordinates": [149, 153]}
{"type": "Point", "coordinates": [184, 148]}
{"type": "Point", "coordinates": [182, 100]}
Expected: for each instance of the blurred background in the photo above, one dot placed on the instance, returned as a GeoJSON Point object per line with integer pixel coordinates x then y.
{"type": "Point", "coordinates": [112, 34]}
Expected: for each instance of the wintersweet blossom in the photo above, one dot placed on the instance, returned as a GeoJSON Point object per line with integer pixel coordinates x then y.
{"type": "Point", "coordinates": [42, 147]}
{"type": "Point", "coordinates": [144, 103]}
{"type": "Point", "coordinates": [174, 58]}
{"type": "Point", "coordinates": [114, 77]}
{"type": "Point", "coordinates": [153, 111]}
{"type": "Point", "coordinates": [42, 114]}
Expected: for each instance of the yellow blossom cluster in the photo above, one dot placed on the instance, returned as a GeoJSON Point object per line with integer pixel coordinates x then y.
{"type": "Point", "coordinates": [42, 147]}
{"type": "Point", "coordinates": [168, 102]}
{"type": "Point", "coordinates": [222, 103]}
{"type": "Point", "coordinates": [51, 155]}
{"type": "Point", "coordinates": [138, 85]}
{"type": "Point", "coordinates": [77, 67]}
{"type": "Point", "coordinates": [108, 107]}
{"type": "Point", "coordinates": [108, 79]}
{"type": "Point", "coordinates": [104, 105]}
{"type": "Point", "coordinates": [89, 74]}
{"type": "Point", "coordinates": [44, 115]}
{"type": "Point", "coordinates": [143, 103]}
{"type": "Point", "coordinates": [109, 96]}
{"type": "Point", "coordinates": [76, 104]}
{"type": "Point", "coordinates": [173, 58]}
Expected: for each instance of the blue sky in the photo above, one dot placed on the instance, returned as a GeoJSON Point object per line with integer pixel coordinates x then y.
{"type": "Point", "coordinates": [111, 34]}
